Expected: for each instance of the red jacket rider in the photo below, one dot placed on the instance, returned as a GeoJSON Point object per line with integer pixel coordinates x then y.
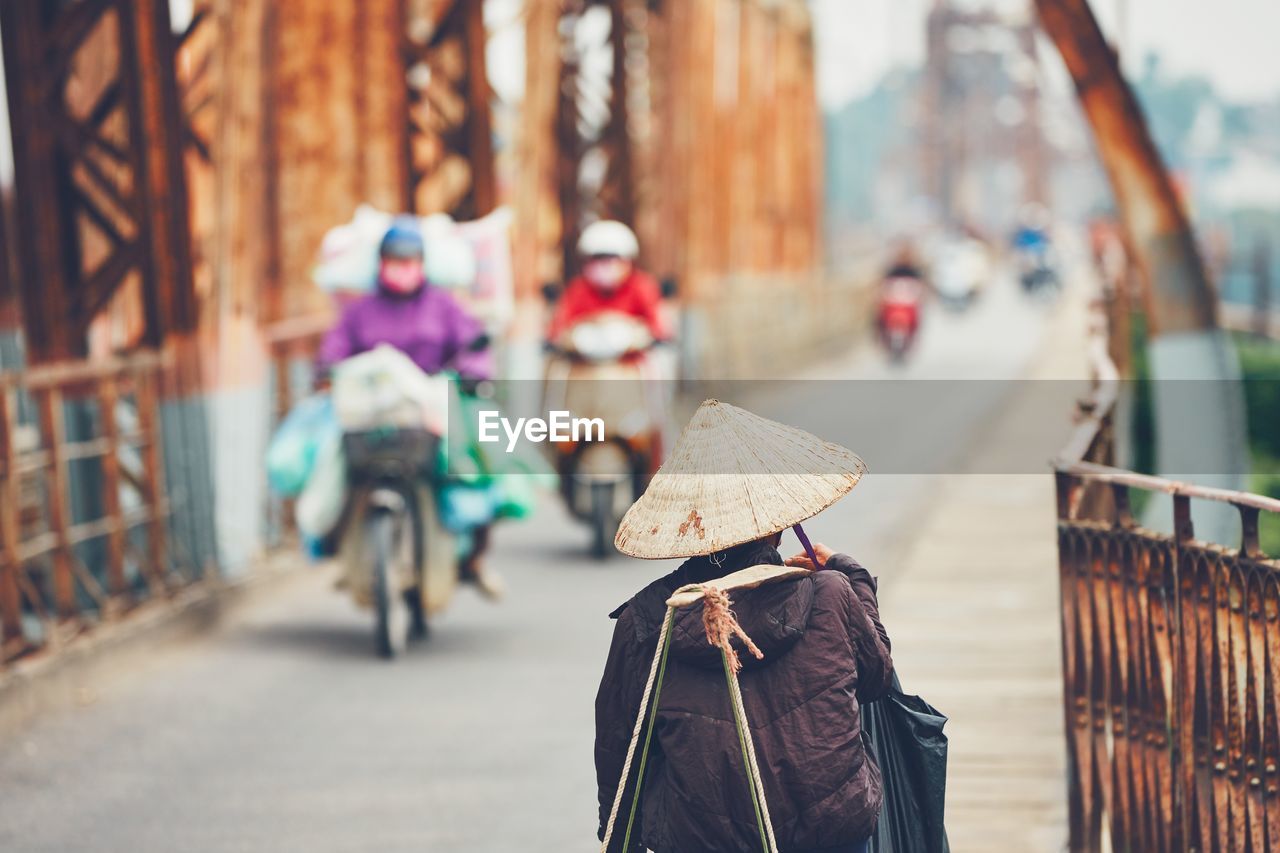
{"type": "Point", "coordinates": [610, 281]}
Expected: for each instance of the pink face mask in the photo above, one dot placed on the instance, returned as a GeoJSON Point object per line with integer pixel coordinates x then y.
{"type": "Point", "coordinates": [401, 276]}
{"type": "Point", "coordinates": [606, 273]}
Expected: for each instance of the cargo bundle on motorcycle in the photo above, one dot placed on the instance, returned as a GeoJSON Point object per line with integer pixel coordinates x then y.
{"type": "Point", "coordinates": [394, 485]}
{"type": "Point", "coordinates": [386, 469]}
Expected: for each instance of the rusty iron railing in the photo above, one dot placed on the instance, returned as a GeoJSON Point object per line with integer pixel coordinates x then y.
{"type": "Point", "coordinates": [292, 345]}
{"type": "Point", "coordinates": [67, 563]}
{"type": "Point", "coordinates": [1171, 659]}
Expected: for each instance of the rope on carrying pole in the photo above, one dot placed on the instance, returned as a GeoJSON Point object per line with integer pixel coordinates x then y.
{"type": "Point", "coordinates": [762, 814]}
{"type": "Point", "coordinates": [659, 657]}
{"type": "Point", "coordinates": [743, 737]}
{"type": "Point", "coordinates": [721, 626]}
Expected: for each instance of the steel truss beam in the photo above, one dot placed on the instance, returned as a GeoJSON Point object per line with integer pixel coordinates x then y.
{"type": "Point", "coordinates": [101, 197]}
{"type": "Point", "coordinates": [450, 130]}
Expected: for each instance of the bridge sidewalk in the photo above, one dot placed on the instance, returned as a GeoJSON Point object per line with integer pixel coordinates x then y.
{"type": "Point", "coordinates": [973, 612]}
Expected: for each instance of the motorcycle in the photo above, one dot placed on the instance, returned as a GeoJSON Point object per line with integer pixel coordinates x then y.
{"type": "Point", "coordinates": [398, 559]}
{"type": "Point", "coordinates": [898, 316]}
{"type": "Point", "coordinates": [390, 473]}
{"type": "Point", "coordinates": [960, 270]}
{"type": "Point", "coordinates": [1036, 271]}
{"type": "Point", "coordinates": [598, 369]}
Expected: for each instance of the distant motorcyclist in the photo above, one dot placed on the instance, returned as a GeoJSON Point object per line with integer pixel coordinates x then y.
{"type": "Point", "coordinates": [1033, 251]}
{"type": "Point", "coordinates": [605, 325]}
{"type": "Point", "coordinates": [1032, 232]}
{"type": "Point", "coordinates": [425, 323]}
{"type": "Point", "coordinates": [904, 265]}
{"type": "Point", "coordinates": [897, 312]}
{"type": "Point", "coordinates": [610, 282]}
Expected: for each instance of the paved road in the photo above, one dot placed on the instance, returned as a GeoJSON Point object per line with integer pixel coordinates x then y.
{"type": "Point", "coordinates": [284, 733]}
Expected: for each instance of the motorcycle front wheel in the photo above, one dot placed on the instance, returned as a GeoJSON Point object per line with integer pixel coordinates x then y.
{"type": "Point", "coordinates": [603, 524]}
{"type": "Point", "coordinates": [391, 611]}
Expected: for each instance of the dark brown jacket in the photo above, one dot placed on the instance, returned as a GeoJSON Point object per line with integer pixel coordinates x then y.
{"type": "Point", "coordinates": [825, 650]}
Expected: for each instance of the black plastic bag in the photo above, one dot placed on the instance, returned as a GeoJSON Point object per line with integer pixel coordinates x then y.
{"type": "Point", "coordinates": [911, 750]}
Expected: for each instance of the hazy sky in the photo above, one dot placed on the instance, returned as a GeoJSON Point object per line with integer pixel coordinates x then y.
{"type": "Point", "coordinates": [1233, 42]}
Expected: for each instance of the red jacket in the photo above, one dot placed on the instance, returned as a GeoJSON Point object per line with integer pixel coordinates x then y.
{"type": "Point", "coordinates": [638, 296]}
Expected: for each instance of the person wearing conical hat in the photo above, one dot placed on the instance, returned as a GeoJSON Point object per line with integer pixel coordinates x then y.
{"type": "Point", "coordinates": [734, 483]}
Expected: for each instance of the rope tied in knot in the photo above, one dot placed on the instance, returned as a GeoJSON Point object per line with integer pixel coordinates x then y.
{"type": "Point", "coordinates": [722, 626]}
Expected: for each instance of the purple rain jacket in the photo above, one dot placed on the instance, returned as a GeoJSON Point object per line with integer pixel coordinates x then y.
{"type": "Point", "coordinates": [428, 326]}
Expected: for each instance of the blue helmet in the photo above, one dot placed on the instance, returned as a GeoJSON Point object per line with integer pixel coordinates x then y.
{"type": "Point", "coordinates": [402, 241]}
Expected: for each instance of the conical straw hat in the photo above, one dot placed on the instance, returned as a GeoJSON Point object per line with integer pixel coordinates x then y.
{"type": "Point", "coordinates": [734, 477]}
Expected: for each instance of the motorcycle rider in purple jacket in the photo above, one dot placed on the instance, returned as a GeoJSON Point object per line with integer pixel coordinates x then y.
{"type": "Point", "coordinates": [429, 326]}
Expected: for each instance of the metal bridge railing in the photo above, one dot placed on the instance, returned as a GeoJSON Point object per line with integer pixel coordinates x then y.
{"type": "Point", "coordinates": [1171, 659]}
{"type": "Point", "coordinates": [292, 345]}
{"type": "Point", "coordinates": [83, 507]}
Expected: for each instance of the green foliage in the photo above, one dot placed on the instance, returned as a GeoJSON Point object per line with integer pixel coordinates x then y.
{"type": "Point", "coordinates": [1260, 366]}
{"type": "Point", "coordinates": [1266, 481]}
{"type": "Point", "coordinates": [1144, 419]}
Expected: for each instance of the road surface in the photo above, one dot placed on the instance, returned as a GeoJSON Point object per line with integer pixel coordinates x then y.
{"type": "Point", "coordinates": [284, 733]}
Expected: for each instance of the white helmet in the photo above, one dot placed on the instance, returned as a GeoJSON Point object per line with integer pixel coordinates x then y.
{"type": "Point", "coordinates": [608, 238]}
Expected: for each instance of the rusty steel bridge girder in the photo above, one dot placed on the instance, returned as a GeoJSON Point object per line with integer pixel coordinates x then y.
{"type": "Point", "coordinates": [695, 123]}
{"type": "Point", "coordinates": [596, 111]}
{"type": "Point", "coordinates": [449, 136]}
{"type": "Point", "coordinates": [949, 142]}
{"type": "Point", "coordinates": [98, 169]}
{"type": "Point", "coordinates": [1181, 297]}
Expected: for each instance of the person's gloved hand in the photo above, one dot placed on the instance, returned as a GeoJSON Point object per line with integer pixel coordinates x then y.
{"type": "Point", "coordinates": [802, 561]}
